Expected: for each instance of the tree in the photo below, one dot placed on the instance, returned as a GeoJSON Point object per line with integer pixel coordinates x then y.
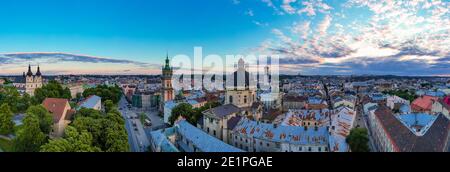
{"type": "Point", "coordinates": [358, 140]}
{"type": "Point", "coordinates": [29, 138]}
{"type": "Point", "coordinates": [183, 109]}
{"type": "Point", "coordinates": [52, 90]}
{"type": "Point", "coordinates": [10, 96]}
{"type": "Point", "coordinates": [106, 93]}
{"type": "Point", "coordinates": [78, 96]}
{"type": "Point", "coordinates": [44, 117]}
{"type": "Point", "coordinates": [73, 141]}
{"type": "Point", "coordinates": [109, 105]}
{"type": "Point", "coordinates": [6, 120]}
{"type": "Point", "coordinates": [107, 129]}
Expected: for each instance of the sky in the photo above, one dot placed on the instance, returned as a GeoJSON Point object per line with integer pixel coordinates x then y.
{"type": "Point", "coordinates": [316, 37]}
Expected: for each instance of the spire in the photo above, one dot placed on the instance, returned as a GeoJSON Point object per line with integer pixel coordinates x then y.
{"type": "Point", "coordinates": [29, 73]}
{"type": "Point", "coordinates": [38, 73]}
{"type": "Point", "coordinates": [167, 66]}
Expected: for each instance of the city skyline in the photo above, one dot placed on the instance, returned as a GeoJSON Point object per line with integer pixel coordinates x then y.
{"type": "Point", "coordinates": [313, 36]}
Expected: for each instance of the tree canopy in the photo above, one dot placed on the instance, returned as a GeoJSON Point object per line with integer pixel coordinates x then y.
{"type": "Point", "coordinates": [11, 96]}
{"type": "Point", "coordinates": [44, 117]}
{"type": "Point", "coordinates": [6, 120]}
{"type": "Point", "coordinates": [358, 140]}
{"type": "Point", "coordinates": [107, 129]}
{"type": "Point", "coordinates": [73, 141]}
{"type": "Point", "coordinates": [112, 93]}
{"type": "Point", "coordinates": [51, 90]}
{"type": "Point", "coordinates": [192, 115]}
{"type": "Point", "coordinates": [29, 138]}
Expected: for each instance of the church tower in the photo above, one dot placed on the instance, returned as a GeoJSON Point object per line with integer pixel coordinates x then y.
{"type": "Point", "coordinates": [32, 82]}
{"type": "Point", "coordinates": [166, 81]}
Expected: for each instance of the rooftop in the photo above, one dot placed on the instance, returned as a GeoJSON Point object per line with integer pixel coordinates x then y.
{"type": "Point", "coordinates": [160, 138]}
{"type": "Point", "coordinates": [56, 106]}
{"type": "Point", "coordinates": [204, 142]}
{"type": "Point", "coordinates": [90, 102]}
{"type": "Point", "coordinates": [434, 140]}
{"type": "Point", "coordinates": [287, 134]}
{"type": "Point", "coordinates": [224, 110]}
{"type": "Point", "coordinates": [296, 117]}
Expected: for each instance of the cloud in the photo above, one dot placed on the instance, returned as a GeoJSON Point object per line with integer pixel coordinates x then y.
{"type": "Point", "coordinates": [62, 57]}
{"type": "Point", "coordinates": [270, 4]}
{"type": "Point", "coordinates": [398, 37]}
{"type": "Point", "coordinates": [64, 63]}
{"type": "Point", "coordinates": [260, 23]}
{"type": "Point", "coordinates": [286, 6]}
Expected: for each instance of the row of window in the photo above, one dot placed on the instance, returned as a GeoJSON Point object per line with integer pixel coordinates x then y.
{"type": "Point", "coordinates": [245, 99]}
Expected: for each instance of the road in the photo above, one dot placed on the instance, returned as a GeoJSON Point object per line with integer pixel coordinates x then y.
{"type": "Point", "coordinates": [363, 122]}
{"type": "Point", "coordinates": [137, 137]}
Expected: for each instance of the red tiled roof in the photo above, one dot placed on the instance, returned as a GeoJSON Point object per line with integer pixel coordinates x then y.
{"type": "Point", "coordinates": [424, 102]}
{"type": "Point", "coordinates": [56, 107]}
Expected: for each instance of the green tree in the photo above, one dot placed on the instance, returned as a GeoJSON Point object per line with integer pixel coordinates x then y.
{"type": "Point", "coordinates": [44, 117]}
{"type": "Point", "coordinates": [109, 105]}
{"type": "Point", "coordinates": [184, 110]}
{"type": "Point", "coordinates": [51, 90]}
{"type": "Point", "coordinates": [105, 92]}
{"type": "Point", "coordinates": [115, 138]}
{"type": "Point", "coordinates": [358, 140]}
{"type": "Point", "coordinates": [10, 96]}
{"type": "Point", "coordinates": [107, 130]}
{"type": "Point", "coordinates": [24, 102]}
{"type": "Point", "coordinates": [29, 138]}
{"type": "Point", "coordinates": [79, 96]}
{"type": "Point", "coordinates": [73, 141]}
{"type": "Point", "coordinates": [6, 120]}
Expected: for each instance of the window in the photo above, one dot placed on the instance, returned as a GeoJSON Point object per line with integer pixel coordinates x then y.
{"type": "Point", "coordinates": [245, 99]}
{"type": "Point", "coordinates": [260, 143]}
{"type": "Point", "coordinates": [207, 129]}
{"type": "Point", "coordinates": [309, 149]}
{"type": "Point", "coordinates": [268, 144]}
{"type": "Point", "coordinates": [214, 131]}
{"type": "Point", "coordinates": [246, 141]}
{"type": "Point", "coordinates": [231, 99]}
{"type": "Point", "coordinates": [300, 148]}
{"type": "Point", "coordinates": [235, 137]}
{"type": "Point", "coordinates": [320, 149]}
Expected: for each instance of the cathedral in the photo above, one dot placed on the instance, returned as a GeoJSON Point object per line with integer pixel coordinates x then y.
{"type": "Point", "coordinates": [241, 87]}
{"type": "Point", "coordinates": [31, 82]}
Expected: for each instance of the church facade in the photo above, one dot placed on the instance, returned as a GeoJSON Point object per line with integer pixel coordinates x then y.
{"type": "Point", "coordinates": [29, 81]}
{"type": "Point", "coordinates": [241, 87]}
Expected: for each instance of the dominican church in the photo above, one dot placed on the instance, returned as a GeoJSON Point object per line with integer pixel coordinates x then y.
{"type": "Point", "coordinates": [29, 82]}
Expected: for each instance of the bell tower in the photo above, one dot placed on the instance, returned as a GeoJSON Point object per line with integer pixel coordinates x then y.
{"type": "Point", "coordinates": [166, 81]}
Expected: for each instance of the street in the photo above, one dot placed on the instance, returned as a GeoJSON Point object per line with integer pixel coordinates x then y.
{"type": "Point", "coordinates": [137, 137]}
{"type": "Point", "coordinates": [362, 122]}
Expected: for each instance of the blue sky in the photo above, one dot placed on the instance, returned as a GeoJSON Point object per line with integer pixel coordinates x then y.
{"type": "Point", "coordinates": [313, 36]}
